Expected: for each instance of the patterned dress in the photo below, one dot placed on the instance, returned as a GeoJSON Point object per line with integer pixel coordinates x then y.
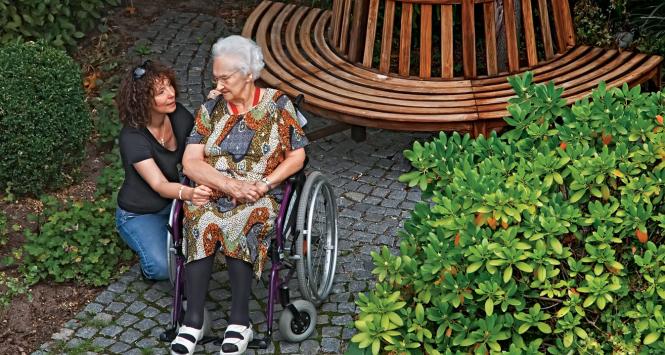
{"type": "Point", "coordinates": [246, 147]}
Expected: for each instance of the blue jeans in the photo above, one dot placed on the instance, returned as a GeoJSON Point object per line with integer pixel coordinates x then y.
{"type": "Point", "coordinates": [146, 235]}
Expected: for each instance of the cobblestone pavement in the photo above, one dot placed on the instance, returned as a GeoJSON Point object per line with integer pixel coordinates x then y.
{"type": "Point", "coordinates": [129, 315]}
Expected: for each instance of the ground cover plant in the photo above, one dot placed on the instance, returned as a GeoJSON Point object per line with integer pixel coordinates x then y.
{"type": "Point", "coordinates": [546, 239]}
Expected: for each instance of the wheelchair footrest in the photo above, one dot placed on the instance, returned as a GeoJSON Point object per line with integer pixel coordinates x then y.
{"type": "Point", "coordinates": [259, 343]}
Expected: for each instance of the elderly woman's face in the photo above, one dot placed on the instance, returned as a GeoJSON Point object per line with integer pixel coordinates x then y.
{"type": "Point", "coordinates": [228, 79]}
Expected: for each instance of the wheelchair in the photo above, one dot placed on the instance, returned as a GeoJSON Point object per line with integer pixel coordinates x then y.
{"type": "Point", "coordinates": [304, 243]}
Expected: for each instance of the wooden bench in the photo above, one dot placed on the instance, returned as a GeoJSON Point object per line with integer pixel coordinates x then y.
{"type": "Point", "coordinates": [330, 57]}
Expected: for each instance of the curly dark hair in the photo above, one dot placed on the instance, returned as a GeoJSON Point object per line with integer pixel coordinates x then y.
{"type": "Point", "coordinates": [136, 93]}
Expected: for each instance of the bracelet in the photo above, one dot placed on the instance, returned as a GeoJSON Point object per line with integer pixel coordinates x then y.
{"type": "Point", "coordinates": [267, 182]}
{"type": "Point", "coordinates": [180, 192]}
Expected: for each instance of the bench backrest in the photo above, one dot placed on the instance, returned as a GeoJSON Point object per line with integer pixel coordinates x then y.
{"type": "Point", "coordinates": [356, 25]}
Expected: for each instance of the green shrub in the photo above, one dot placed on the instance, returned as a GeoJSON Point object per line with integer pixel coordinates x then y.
{"type": "Point", "coordinates": [44, 121]}
{"type": "Point", "coordinates": [545, 239]}
{"type": "Point", "coordinates": [76, 241]}
{"type": "Point", "coordinates": [58, 22]}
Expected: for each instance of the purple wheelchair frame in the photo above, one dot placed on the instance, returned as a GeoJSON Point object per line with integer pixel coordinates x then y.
{"type": "Point", "coordinates": [278, 290]}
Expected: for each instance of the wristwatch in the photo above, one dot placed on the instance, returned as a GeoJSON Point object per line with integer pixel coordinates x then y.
{"type": "Point", "coordinates": [267, 182]}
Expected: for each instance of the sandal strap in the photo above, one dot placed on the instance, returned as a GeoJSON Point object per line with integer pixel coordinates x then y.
{"type": "Point", "coordinates": [232, 334]}
{"type": "Point", "coordinates": [187, 337]}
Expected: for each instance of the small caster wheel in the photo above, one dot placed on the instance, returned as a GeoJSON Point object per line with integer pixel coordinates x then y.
{"type": "Point", "coordinates": [294, 331]}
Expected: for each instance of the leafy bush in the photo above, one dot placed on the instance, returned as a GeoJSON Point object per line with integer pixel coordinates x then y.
{"type": "Point", "coordinates": [547, 238]}
{"type": "Point", "coordinates": [76, 241]}
{"type": "Point", "coordinates": [44, 121]}
{"type": "Point", "coordinates": [59, 22]}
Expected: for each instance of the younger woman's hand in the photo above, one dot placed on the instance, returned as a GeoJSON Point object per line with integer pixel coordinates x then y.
{"type": "Point", "coordinates": [201, 195]}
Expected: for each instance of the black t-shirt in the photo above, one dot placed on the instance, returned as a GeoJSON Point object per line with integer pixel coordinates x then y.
{"type": "Point", "coordinates": [138, 144]}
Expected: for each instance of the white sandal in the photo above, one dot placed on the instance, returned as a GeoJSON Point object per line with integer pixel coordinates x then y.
{"type": "Point", "coordinates": [236, 338]}
{"type": "Point", "coordinates": [185, 341]}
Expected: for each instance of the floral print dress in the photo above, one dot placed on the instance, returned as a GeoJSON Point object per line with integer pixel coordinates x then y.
{"type": "Point", "coordinates": [246, 147]}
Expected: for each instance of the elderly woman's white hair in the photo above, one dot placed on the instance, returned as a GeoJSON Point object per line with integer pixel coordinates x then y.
{"type": "Point", "coordinates": [246, 53]}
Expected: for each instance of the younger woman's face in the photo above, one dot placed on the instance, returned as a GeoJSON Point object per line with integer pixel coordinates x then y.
{"type": "Point", "coordinates": [164, 96]}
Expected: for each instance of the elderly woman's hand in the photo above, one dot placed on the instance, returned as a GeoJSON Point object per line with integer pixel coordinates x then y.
{"type": "Point", "coordinates": [201, 195]}
{"type": "Point", "coordinates": [243, 191]}
{"type": "Point", "coordinates": [213, 94]}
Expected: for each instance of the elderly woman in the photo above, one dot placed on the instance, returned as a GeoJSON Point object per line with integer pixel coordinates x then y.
{"type": "Point", "coordinates": [243, 145]}
{"type": "Point", "coordinates": [152, 143]}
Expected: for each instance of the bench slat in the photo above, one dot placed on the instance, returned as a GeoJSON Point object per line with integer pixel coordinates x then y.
{"type": "Point", "coordinates": [387, 37]}
{"type": "Point", "coordinates": [468, 38]}
{"type": "Point", "coordinates": [567, 22]}
{"type": "Point", "coordinates": [447, 41]}
{"type": "Point", "coordinates": [357, 30]}
{"type": "Point", "coordinates": [336, 24]}
{"type": "Point", "coordinates": [490, 38]}
{"type": "Point", "coordinates": [558, 26]}
{"type": "Point", "coordinates": [405, 39]}
{"type": "Point", "coordinates": [545, 29]}
{"type": "Point", "coordinates": [257, 14]}
{"type": "Point", "coordinates": [346, 16]}
{"type": "Point", "coordinates": [372, 17]}
{"type": "Point", "coordinates": [511, 35]}
{"type": "Point", "coordinates": [529, 33]}
{"type": "Point", "coordinates": [425, 41]}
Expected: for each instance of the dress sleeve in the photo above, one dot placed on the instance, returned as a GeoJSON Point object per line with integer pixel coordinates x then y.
{"type": "Point", "coordinates": [134, 147]}
{"type": "Point", "coordinates": [202, 126]}
{"type": "Point", "coordinates": [292, 135]}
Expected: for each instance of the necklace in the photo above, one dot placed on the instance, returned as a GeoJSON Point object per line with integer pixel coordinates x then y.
{"type": "Point", "coordinates": [255, 101]}
{"type": "Point", "coordinates": [161, 139]}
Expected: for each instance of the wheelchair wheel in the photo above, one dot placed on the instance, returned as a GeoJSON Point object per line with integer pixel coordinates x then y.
{"type": "Point", "coordinates": [289, 327]}
{"type": "Point", "coordinates": [170, 250]}
{"type": "Point", "coordinates": [316, 244]}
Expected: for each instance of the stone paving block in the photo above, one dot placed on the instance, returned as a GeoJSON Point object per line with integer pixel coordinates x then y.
{"type": "Point", "coordinates": [119, 348]}
{"type": "Point", "coordinates": [73, 324]}
{"type": "Point", "coordinates": [63, 334]}
{"type": "Point", "coordinates": [309, 347]}
{"type": "Point", "coordinates": [105, 297]}
{"type": "Point", "coordinates": [102, 342]}
{"type": "Point", "coordinates": [289, 348]}
{"type": "Point", "coordinates": [86, 332]}
{"type": "Point", "coordinates": [115, 307]}
{"type": "Point", "coordinates": [127, 297]}
{"type": "Point", "coordinates": [74, 342]}
{"type": "Point", "coordinates": [347, 333]}
{"type": "Point", "coordinates": [93, 308]}
{"type": "Point", "coordinates": [127, 319]}
{"type": "Point", "coordinates": [342, 320]}
{"type": "Point", "coordinates": [129, 336]}
{"type": "Point", "coordinates": [150, 312]}
{"type": "Point", "coordinates": [111, 331]}
{"type": "Point", "coordinates": [152, 295]}
{"type": "Point", "coordinates": [145, 325]}
{"type": "Point", "coordinates": [136, 307]}
{"type": "Point", "coordinates": [330, 345]}
{"type": "Point", "coordinates": [147, 343]}
{"type": "Point", "coordinates": [117, 287]}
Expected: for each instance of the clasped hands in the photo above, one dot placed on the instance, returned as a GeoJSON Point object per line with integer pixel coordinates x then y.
{"type": "Point", "coordinates": [239, 191]}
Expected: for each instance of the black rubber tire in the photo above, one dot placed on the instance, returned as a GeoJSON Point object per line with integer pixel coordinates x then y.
{"type": "Point", "coordinates": [306, 310]}
{"type": "Point", "coordinates": [315, 183]}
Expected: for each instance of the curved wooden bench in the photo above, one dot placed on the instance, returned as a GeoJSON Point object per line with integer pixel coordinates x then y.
{"type": "Point", "coordinates": [329, 56]}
